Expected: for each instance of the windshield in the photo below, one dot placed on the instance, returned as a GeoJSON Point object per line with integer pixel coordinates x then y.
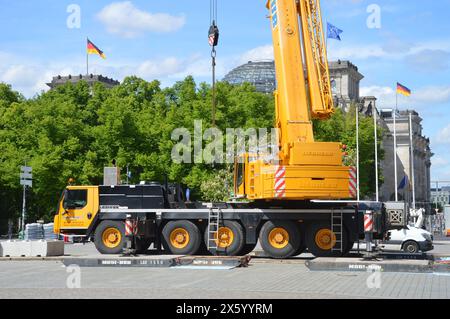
{"type": "Point", "coordinates": [75, 199]}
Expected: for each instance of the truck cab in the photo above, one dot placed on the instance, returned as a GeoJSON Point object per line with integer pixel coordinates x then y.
{"type": "Point", "coordinates": [77, 208]}
{"type": "Point", "coordinates": [84, 211]}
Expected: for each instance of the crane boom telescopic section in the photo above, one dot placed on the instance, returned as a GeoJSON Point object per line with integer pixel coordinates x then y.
{"type": "Point", "coordinates": [305, 169]}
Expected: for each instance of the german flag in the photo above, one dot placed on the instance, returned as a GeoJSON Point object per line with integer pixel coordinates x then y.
{"type": "Point", "coordinates": [92, 49]}
{"type": "Point", "coordinates": [403, 90]}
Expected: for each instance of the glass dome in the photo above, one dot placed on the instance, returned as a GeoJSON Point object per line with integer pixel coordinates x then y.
{"type": "Point", "coordinates": [260, 74]}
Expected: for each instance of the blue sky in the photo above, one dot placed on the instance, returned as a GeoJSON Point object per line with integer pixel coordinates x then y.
{"type": "Point", "coordinates": [167, 40]}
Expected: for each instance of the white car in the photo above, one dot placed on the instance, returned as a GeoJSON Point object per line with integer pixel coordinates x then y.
{"type": "Point", "coordinates": [411, 240]}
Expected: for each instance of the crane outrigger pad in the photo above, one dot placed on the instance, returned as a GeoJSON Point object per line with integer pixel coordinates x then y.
{"type": "Point", "coordinates": [380, 265]}
{"type": "Point", "coordinates": [159, 261]}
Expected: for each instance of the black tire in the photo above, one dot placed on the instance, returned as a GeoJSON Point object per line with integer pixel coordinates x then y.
{"type": "Point", "coordinates": [98, 237]}
{"type": "Point", "coordinates": [302, 248]}
{"type": "Point", "coordinates": [292, 245]}
{"type": "Point", "coordinates": [349, 248]}
{"type": "Point", "coordinates": [248, 248]}
{"type": "Point", "coordinates": [411, 247]}
{"type": "Point", "coordinates": [191, 247]}
{"type": "Point", "coordinates": [203, 251]}
{"type": "Point", "coordinates": [238, 242]}
{"type": "Point", "coordinates": [317, 251]}
{"type": "Point", "coordinates": [143, 244]}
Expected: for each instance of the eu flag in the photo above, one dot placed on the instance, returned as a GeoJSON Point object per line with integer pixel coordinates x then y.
{"type": "Point", "coordinates": [334, 32]}
{"type": "Point", "coordinates": [403, 183]}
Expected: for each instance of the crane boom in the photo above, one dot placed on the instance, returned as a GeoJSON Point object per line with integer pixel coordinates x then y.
{"type": "Point", "coordinates": [316, 59]}
{"type": "Point", "coordinates": [305, 169]}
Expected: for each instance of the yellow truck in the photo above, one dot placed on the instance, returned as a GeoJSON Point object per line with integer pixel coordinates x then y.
{"type": "Point", "coordinates": [302, 199]}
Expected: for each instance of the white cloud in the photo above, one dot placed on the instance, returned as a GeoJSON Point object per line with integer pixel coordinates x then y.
{"type": "Point", "coordinates": [443, 136]}
{"type": "Point", "coordinates": [431, 95]}
{"type": "Point", "coordinates": [439, 161]}
{"type": "Point", "coordinates": [432, 55]}
{"type": "Point", "coordinates": [29, 79]}
{"type": "Point", "coordinates": [384, 94]}
{"type": "Point", "coordinates": [124, 19]}
{"type": "Point", "coordinates": [426, 96]}
{"type": "Point", "coordinates": [429, 60]}
{"type": "Point", "coordinates": [158, 68]}
{"type": "Point", "coordinates": [360, 52]}
{"type": "Point", "coordinates": [257, 54]}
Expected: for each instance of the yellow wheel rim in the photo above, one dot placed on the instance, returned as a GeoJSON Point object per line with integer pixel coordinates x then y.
{"type": "Point", "coordinates": [179, 238]}
{"type": "Point", "coordinates": [279, 238]}
{"type": "Point", "coordinates": [111, 237]}
{"type": "Point", "coordinates": [225, 237]}
{"type": "Point", "coordinates": [325, 239]}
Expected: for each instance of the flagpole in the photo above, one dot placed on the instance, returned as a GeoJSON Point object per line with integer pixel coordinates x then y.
{"type": "Point", "coordinates": [87, 60]}
{"type": "Point", "coordinates": [375, 125]}
{"type": "Point", "coordinates": [395, 147]}
{"type": "Point", "coordinates": [412, 161]}
{"type": "Point", "coordinates": [357, 154]}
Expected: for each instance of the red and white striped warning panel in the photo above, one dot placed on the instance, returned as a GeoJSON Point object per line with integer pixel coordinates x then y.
{"type": "Point", "coordinates": [280, 182]}
{"type": "Point", "coordinates": [129, 228]}
{"type": "Point", "coordinates": [368, 223]}
{"type": "Point", "coordinates": [353, 184]}
{"type": "Point", "coordinates": [70, 239]}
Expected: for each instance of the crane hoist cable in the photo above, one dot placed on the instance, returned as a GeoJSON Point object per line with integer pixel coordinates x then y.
{"type": "Point", "coordinates": [213, 39]}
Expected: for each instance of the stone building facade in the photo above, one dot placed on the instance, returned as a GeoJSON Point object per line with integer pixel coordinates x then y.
{"type": "Point", "coordinates": [422, 158]}
{"type": "Point", "coordinates": [345, 82]}
{"type": "Point", "coordinates": [345, 79]}
{"type": "Point", "coordinates": [440, 196]}
{"type": "Point", "coordinates": [90, 79]}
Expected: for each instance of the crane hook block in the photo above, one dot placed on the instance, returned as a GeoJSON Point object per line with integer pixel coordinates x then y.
{"type": "Point", "coordinates": [213, 35]}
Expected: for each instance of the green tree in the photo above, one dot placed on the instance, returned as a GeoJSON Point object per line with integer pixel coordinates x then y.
{"type": "Point", "coordinates": [342, 128]}
{"type": "Point", "coordinates": [74, 131]}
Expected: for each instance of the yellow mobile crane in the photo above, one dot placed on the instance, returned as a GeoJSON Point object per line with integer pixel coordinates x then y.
{"type": "Point", "coordinates": [296, 202]}
{"type": "Point", "coordinates": [307, 169]}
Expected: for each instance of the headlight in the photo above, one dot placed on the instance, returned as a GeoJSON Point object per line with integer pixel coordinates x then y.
{"type": "Point", "coordinates": [427, 237]}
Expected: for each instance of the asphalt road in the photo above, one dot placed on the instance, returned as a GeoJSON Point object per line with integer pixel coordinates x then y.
{"type": "Point", "coordinates": [263, 279]}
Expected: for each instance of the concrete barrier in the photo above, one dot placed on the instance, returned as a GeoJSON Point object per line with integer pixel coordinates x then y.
{"type": "Point", "coordinates": [31, 248]}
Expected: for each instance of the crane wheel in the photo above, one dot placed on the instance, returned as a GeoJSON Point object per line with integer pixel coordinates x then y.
{"type": "Point", "coordinates": [181, 237]}
{"type": "Point", "coordinates": [320, 240]}
{"type": "Point", "coordinates": [349, 247]}
{"type": "Point", "coordinates": [231, 240]}
{"type": "Point", "coordinates": [302, 248]}
{"type": "Point", "coordinates": [143, 244]}
{"type": "Point", "coordinates": [280, 239]}
{"type": "Point", "coordinates": [109, 237]}
{"type": "Point", "coordinates": [248, 248]}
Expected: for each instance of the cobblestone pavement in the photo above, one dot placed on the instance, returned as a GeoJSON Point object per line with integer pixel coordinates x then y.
{"type": "Point", "coordinates": [263, 279]}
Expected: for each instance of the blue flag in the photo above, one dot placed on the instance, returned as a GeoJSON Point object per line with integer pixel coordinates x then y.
{"type": "Point", "coordinates": [334, 32]}
{"type": "Point", "coordinates": [403, 183]}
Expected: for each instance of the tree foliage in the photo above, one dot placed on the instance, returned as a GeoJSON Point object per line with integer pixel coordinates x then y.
{"type": "Point", "coordinates": [342, 127]}
{"type": "Point", "coordinates": [74, 131]}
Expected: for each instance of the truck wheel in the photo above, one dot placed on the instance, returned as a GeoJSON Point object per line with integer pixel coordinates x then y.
{"type": "Point", "coordinates": [411, 247]}
{"type": "Point", "coordinates": [143, 244]}
{"type": "Point", "coordinates": [280, 239]}
{"type": "Point", "coordinates": [181, 237]}
{"type": "Point", "coordinates": [230, 238]}
{"type": "Point", "coordinates": [321, 240]}
{"type": "Point", "coordinates": [299, 251]}
{"type": "Point", "coordinates": [248, 248]}
{"type": "Point", "coordinates": [109, 237]}
{"type": "Point", "coordinates": [349, 248]}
